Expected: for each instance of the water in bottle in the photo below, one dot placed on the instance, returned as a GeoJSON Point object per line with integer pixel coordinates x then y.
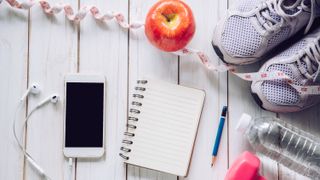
{"type": "Point", "coordinates": [284, 143]}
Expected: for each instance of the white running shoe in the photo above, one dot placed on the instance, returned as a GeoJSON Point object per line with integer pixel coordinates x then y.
{"type": "Point", "coordinates": [254, 27]}
{"type": "Point", "coordinates": [301, 62]}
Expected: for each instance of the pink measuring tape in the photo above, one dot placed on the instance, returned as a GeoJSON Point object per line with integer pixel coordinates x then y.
{"type": "Point", "coordinates": [76, 17]}
{"type": "Point", "coordinates": [120, 19]}
{"type": "Point", "coordinates": [256, 76]}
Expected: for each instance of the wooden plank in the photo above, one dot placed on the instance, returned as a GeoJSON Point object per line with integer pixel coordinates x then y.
{"type": "Point", "coordinates": [241, 101]}
{"type": "Point", "coordinates": [104, 49]}
{"type": "Point", "coordinates": [147, 61]}
{"type": "Point", "coordinates": [13, 70]}
{"type": "Point", "coordinates": [53, 53]}
{"type": "Point", "coordinates": [194, 74]}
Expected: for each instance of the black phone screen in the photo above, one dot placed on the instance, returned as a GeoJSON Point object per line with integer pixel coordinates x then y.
{"type": "Point", "coordinates": [84, 114]}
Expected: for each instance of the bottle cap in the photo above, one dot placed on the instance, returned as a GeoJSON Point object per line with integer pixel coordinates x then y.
{"type": "Point", "coordinates": [244, 123]}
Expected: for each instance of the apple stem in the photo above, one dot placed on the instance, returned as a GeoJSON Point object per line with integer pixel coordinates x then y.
{"type": "Point", "coordinates": [168, 17]}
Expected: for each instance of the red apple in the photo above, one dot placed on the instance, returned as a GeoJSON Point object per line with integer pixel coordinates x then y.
{"type": "Point", "coordinates": [170, 25]}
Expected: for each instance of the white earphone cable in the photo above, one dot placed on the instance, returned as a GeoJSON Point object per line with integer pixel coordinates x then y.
{"type": "Point", "coordinates": [70, 168]}
{"type": "Point", "coordinates": [21, 147]}
{"type": "Point", "coordinates": [54, 98]}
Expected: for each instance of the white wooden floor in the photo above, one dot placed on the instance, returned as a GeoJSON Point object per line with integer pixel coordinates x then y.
{"type": "Point", "coordinates": [38, 48]}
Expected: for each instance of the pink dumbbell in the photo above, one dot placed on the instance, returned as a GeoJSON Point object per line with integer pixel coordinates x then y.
{"type": "Point", "coordinates": [245, 167]}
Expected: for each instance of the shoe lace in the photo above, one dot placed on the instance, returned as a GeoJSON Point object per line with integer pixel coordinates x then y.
{"type": "Point", "coordinates": [285, 13]}
{"type": "Point", "coordinates": [309, 61]}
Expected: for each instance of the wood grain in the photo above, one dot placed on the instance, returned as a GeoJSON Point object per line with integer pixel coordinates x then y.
{"type": "Point", "coordinates": [241, 101]}
{"type": "Point", "coordinates": [192, 73]}
{"type": "Point", "coordinates": [13, 80]}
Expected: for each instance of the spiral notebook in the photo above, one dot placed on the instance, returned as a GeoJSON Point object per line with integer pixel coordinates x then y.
{"type": "Point", "coordinates": [162, 126]}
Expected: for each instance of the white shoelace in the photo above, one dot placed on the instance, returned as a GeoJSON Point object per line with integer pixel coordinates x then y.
{"type": "Point", "coordinates": [278, 8]}
{"type": "Point", "coordinates": [311, 58]}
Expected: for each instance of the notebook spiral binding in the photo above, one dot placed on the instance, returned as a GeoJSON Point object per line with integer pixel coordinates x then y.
{"type": "Point", "coordinates": [131, 127]}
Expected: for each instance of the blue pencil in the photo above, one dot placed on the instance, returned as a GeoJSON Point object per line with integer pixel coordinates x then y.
{"type": "Point", "coordinates": [219, 134]}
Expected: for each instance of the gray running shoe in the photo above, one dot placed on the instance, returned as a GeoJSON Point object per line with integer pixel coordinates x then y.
{"type": "Point", "coordinates": [301, 63]}
{"type": "Point", "coordinates": [252, 28]}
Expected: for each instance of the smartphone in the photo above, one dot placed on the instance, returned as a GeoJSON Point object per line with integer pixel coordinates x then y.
{"type": "Point", "coordinates": [84, 119]}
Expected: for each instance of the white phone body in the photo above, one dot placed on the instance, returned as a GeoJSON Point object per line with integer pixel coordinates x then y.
{"type": "Point", "coordinates": [82, 152]}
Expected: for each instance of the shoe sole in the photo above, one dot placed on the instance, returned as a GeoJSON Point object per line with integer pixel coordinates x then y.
{"type": "Point", "coordinates": [257, 100]}
{"type": "Point", "coordinates": [220, 55]}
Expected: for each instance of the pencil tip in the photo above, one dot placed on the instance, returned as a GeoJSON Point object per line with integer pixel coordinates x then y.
{"type": "Point", "coordinates": [213, 161]}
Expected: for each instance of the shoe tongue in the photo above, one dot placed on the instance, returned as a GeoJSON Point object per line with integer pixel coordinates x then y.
{"type": "Point", "coordinates": [290, 8]}
{"type": "Point", "coordinates": [307, 3]}
{"type": "Point", "coordinates": [274, 16]}
{"type": "Point", "coordinates": [288, 3]}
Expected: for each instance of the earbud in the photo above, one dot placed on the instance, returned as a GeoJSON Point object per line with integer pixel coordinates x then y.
{"type": "Point", "coordinates": [33, 89]}
{"type": "Point", "coordinates": [54, 98]}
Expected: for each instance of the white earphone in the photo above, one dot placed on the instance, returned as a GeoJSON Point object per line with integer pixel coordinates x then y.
{"type": "Point", "coordinates": [54, 98]}
{"type": "Point", "coordinates": [33, 89]}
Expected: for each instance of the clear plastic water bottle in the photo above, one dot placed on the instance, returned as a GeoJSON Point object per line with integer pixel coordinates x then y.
{"type": "Point", "coordinates": [280, 141]}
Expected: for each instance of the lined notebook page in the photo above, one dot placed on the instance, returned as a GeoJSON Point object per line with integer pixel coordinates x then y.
{"type": "Point", "coordinates": [167, 127]}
